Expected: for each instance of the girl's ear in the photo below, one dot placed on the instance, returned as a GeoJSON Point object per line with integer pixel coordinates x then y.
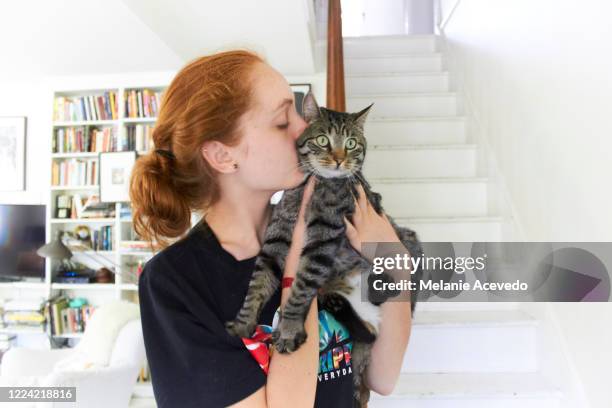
{"type": "Point", "coordinates": [310, 108]}
{"type": "Point", "coordinates": [360, 116]}
{"type": "Point", "coordinates": [218, 156]}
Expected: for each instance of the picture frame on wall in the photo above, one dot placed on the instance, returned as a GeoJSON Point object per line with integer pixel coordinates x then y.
{"type": "Point", "coordinates": [300, 91]}
{"type": "Point", "coordinates": [12, 153]}
{"type": "Point", "coordinates": [115, 171]}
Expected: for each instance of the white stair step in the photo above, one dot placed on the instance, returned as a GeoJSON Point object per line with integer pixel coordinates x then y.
{"type": "Point", "coordinates": [453, 306]}
{"type": "Point", "coordinates": [455, 229]}
{"type": "Point", "coordinates": [405, 104]}
{"type": "Point", "coordinates": [476, 390]}
{"type": "Point", "coordinates": [388, 44]}
{"type": "Point", "coordinates": [426, 130]}
{"type": "Point", "coordinates": [396, 82]}
{"type": "Point", "coordinates": [393, 63]}
{"type": "Point", "coordinates": [472, 341]}
{"type": "Point", "coordinates": [429, 197]}
{"type": "Point", "coordinates": [420, 161]}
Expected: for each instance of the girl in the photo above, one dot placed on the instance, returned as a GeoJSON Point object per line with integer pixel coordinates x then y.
{"type": "Point", "coordinates": [225, 143]}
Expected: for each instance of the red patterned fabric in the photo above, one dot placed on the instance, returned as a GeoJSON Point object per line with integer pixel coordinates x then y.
{"type": "Point", "coordinates": [259, 345]}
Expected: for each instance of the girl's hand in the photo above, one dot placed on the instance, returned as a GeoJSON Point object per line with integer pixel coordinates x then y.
{"type": "Point", "coordinates": [299, 232]}
{"type": "Point", "coordinates": [367, 225]}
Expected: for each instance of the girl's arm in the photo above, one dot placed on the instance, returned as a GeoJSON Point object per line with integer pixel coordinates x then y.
{"type": "Point", "coordinates": [292, 378]}
{"type": "Point", "coordinates": [390, 344]}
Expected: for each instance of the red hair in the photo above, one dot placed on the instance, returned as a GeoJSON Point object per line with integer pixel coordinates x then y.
{"type": "Point", "coordinates": [202, 103]}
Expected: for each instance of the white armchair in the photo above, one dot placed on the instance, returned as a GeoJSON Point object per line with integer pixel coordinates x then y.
{"type": "Point", "coordinates": [104, 386]}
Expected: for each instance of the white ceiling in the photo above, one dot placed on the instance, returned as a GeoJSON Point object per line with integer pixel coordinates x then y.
{"type": "Point", "coordinates": [72, 37]}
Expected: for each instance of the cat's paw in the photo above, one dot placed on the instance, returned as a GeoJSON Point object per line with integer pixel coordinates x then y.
{"type": "Point", "coordinates": [289, 337]}
{"type": "Point", "coordinates": [239, 329]}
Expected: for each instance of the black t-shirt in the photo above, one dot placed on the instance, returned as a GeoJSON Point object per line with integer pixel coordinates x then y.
{"type": "Point", "coordinates": [187, 291]}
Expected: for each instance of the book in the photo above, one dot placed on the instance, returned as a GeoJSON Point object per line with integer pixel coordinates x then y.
{"type": "Point", "coordinates": [84, 108]}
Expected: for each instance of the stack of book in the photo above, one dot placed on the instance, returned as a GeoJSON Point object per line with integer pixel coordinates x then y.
{"type": "Point", "coordinates": [140, 137]}
{"type": "Point", "coordinates": [85, 139]}
{"type": "Point", "coordinates": [92, 208]}
{"type": "Point", "coordinates": [89, 107]}
{"type": "Point", "coordinates": [67, 319]}
{"type": "Point", "coordinates": [24, 314]}
{"type": "Point", "coordinates": [74, 172]}
{"type": "Point", "coordinates": [142, 103]}
{"type": "Point", "coordinates": [102, 239]}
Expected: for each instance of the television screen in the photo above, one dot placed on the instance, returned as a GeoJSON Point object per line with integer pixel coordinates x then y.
{"type": "Point", "coordinates": [22, 232]}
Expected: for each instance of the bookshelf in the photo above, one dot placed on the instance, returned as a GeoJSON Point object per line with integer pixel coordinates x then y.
{"type": "Point", "coordinates": [86, 123]}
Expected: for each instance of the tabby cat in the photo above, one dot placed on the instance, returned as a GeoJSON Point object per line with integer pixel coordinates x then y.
{"type": "Point", "coordinates": [332, 148]}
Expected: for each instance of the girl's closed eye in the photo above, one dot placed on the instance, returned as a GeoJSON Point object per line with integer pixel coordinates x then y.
{"type": "Point", "coordinates": [283, 126]}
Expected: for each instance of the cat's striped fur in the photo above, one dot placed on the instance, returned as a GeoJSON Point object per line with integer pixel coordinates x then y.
{"type": "Point", "coordinates": [332, 149]}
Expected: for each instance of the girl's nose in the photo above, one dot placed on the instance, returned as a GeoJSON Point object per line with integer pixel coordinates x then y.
{"type": "Point", "coordinates": [300, 128]}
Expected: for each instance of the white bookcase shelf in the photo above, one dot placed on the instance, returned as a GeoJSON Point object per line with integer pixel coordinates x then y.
{"type": "Point", "coordinates": [125, 262]}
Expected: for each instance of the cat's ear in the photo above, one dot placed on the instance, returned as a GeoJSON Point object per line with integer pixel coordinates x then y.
{"type": "Point", "coordinates": [360, 116]}
{"type": "Point", "coordinates": [310, 108]}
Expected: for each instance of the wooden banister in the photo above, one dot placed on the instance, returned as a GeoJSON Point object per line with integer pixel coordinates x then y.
{"type": "Point", "coordinates": [335, 74]}
{"type": "Point", "coordinates": [335, 58]}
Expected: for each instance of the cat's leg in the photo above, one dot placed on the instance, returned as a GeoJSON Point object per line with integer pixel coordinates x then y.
{"type": "Point", "coordinates": [325, 231]}
{"type": "Point", "coordinates": [360, 359]}
{"type": "Point", "coordinates": [290, 333]}
{"type": "Point", "coordinates": [269, 265]}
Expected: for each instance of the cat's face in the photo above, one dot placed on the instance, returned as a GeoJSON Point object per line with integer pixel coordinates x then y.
{"type": "Point", "coordinates": [333, 145]}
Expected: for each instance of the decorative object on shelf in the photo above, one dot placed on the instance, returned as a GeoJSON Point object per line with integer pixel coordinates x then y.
{"type": "Point", "coordinates": [104, 275]}
{"type": "Point", "coordinates": [12, 153]}
{"type": "Point", "coordinates": [56, 250]}
{"type": "Point", "coordinates": [115, 171]}
{"type": "Point", "coordinates": [83, 233]}
{"type": "Point", "coordinates": [300, 91]}
{"type": "Point", "coordinates": [63, 206]}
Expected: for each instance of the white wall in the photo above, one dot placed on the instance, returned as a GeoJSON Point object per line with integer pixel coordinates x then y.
{"type": "Point", "coordinates": [537, 81]}
{"type": "Point", "coordinates": [538, 76]}
{"type": "Point", "coordinates": [34, 100]}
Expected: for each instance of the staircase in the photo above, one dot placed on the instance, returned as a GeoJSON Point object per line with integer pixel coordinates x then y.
{"type": "Point", "coordinates": [419, 158]}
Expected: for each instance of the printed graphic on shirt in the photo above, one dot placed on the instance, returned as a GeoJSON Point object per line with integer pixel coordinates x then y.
{"type": "Point", "coordinates": [335, 346]}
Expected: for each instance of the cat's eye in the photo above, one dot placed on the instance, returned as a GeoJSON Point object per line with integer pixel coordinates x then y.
{"type": "Point", "coordinates": [322, 141]}
{"type": "Point", "coordinates": [350, 144]}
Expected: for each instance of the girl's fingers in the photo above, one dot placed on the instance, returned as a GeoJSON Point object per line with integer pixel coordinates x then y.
{"type": "Point", "coordinates": [363, 200]}
{"type": "Point", "coordinates": [351, 234]}
{"type": "Point", "coordinates": [357, 213]}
